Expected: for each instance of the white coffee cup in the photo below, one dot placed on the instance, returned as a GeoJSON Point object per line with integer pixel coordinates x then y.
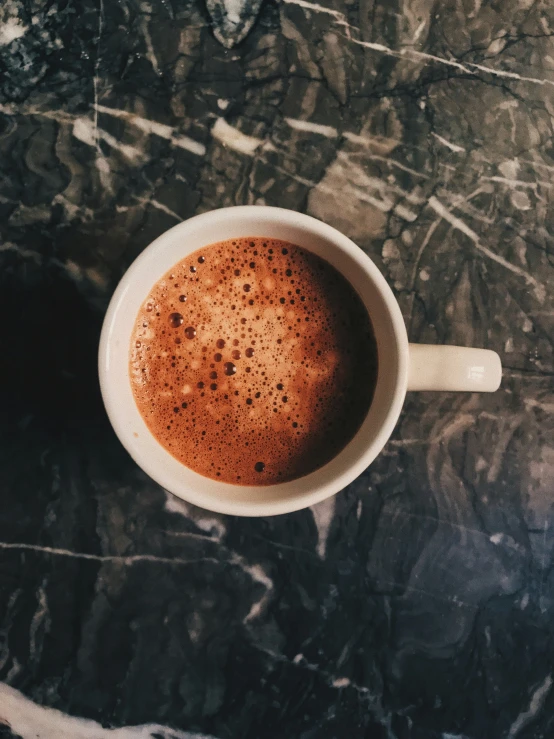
{"type": "Point", "coordinates": [402, 366]}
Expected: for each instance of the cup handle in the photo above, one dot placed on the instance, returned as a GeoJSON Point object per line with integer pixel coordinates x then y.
{"type": "Point", "coordinates": [453, 368]}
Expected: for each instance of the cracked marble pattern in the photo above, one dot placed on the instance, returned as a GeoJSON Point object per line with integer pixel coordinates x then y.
{"type": "Point", "coordinates": [418, 603]}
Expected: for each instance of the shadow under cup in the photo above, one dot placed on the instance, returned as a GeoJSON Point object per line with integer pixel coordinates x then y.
{"type": "Point", "coordinates": [315, 236]}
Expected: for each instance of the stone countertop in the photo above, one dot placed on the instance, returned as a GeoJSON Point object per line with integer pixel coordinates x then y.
{"type": "Point", "coordinates": [419, 602]}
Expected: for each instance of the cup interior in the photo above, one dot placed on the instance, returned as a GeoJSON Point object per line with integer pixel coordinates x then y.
{"type": "Point", "coordinates": [311, 234]}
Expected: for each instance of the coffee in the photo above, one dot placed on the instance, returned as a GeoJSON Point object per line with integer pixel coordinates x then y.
{"type": "Point", "coordinates": [253, 361]}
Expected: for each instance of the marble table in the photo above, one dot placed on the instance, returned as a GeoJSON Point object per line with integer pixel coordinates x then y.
{"type": "Point", "coordinates": [419, 602]}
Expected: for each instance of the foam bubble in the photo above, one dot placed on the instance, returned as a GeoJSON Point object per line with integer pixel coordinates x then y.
{"type": "Point", "coordinates": [175, 320]}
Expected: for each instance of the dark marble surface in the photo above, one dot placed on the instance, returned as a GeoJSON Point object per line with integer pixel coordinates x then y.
{"type": "Point", "coordinates": [419, 602]}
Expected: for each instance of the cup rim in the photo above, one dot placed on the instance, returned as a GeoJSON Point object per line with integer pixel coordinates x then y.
{"type": "Point", "coordinates": [112, 399]}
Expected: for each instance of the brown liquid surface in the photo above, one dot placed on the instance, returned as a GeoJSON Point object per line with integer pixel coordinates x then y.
{"type": "Point", "coordinates": [253, 361]}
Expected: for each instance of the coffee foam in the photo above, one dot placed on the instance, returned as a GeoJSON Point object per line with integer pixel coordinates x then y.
{"type": "Point", "coordinates": [253, 361]}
